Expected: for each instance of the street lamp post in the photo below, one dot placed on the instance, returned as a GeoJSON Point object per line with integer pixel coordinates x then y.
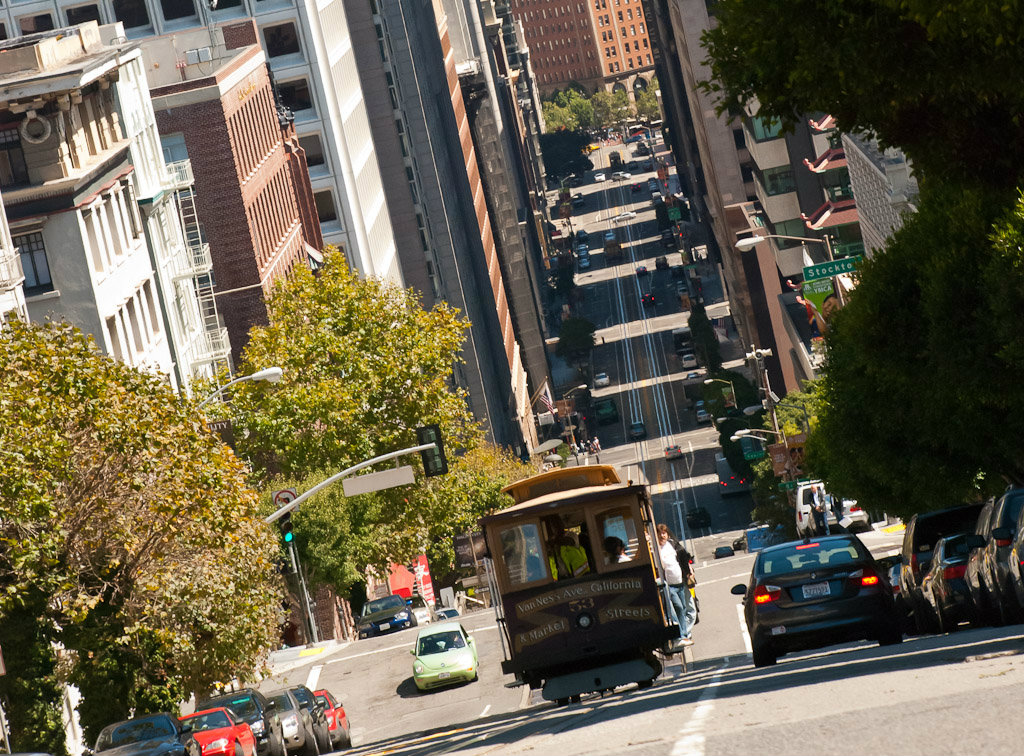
{"type": "Point", "coordinates": [752, 241]}
{"type": "Point", "coordinates": [270, 375]}
{"type": "Point", "coordinates": [572, 434]}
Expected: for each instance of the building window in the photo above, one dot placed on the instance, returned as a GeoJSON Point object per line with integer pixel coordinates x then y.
{"type": "Point", "coordinates": [281, 40]}
{"type": "Point", "coordinates": [629, 13]}
{"type": "Point", "coordinates": [738, 140]}
{"type": "Point", "coordinates": [82, 13]}
{"type": "Point", "coordinates": [173, 9]}
{"type": "Point", "coordinates": [313, 148]}
{"type": "Point", "coordinates": [13, 171]}
{"type": "Point", "coordinates": [295, 95]}
{"type": "Point", "coordinates": [32, 24]}
{"type": "Point", "coordinates": [620, 16]}
{"type": "Point", "coordinates": [33, 261]}
{"type": "Point", "coordinates": [131, 13]}
{"type": "Point", "coordinates": [778, 180]}
{"type": "Point", "coordinates": [3, 30]}
{"type": "Point", "coordinates": [325, 209]}
{"type": "Point", "coordinates": [765, 129]}
{"type": "Point", "coordinates": [228, 4]}
{"type": "Point", "coordinates": [794, 227]}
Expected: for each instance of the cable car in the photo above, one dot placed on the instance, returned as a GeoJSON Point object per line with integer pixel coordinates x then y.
{"type": "Point", "coordinates": [575, 579]}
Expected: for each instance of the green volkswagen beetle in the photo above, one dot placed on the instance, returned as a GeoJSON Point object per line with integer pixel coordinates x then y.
{"type": "Point", "coordinates": [444, 654]}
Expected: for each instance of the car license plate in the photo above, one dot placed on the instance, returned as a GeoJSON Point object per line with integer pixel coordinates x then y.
{"type": "Point", "coordinates": [778, 630]}
{"type": "Point", "coordinates": [816, 590]}
{"type": "Point", "coordinates": [444, 675]}
{"type": "Point", "coordinates": [385, 625]}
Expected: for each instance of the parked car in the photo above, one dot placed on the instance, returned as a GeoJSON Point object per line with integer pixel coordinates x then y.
{"type": "Point", "coordinates": [161, 734]}
{"type": "Point", "coordinates": [296, 725]}
{"type": "Point", "coordinates": [601, 379]}
{"type": "Point", "coordinates": [575, 181]}
{"type": "Point", "coordinates": [252, 707]}
{"type": "Point", "coordinates": [447, 613]}
{"type": "Point", "coordinates": [661, 263]}
{"type": "Point", "coordinates": [337, 719]}
{"type": "Point", "coordinates": [582, 237]}
{"type": "Point", "coordinates": [724, 551]}
{"type": "Point", "coordinates": [923, 531]}
{"type": "Point", "coordinates": [637, 430]}
{"type": "Point", "coordinates": [420, 610]}
{"type": "Point", "coordinates": [805, 524]}
{"type": "Point", "coordinates": [689, 360]}
{"type": "Point", "coordinates": [673, 451]}
{"type": "Point", "coordinates": [989, 570]}
{"type": "Point", "coordinates": [317, 716]}
{"type": "Point", "coordinates": [698, 517]}
{"type": "Point", "coordinates": [653, 185]}
{"type": "Point", "coordinates": [853, 513]}
{"type": "Point", "coordinates": [583, 259]}
{"type": "Point", "coordinates": [384, 615]}
{"type": "Point", "coordinates": [700, 408]}
{"type": "Point", "coordinates": [891, 566]}
{"type": "Point", "coordinates": [606, 411]}
{"type": "Point", "coordinates": [578, 200]}
{"type": "Point", "coordinates": [944, 587]}
{"type": "Point", "coordinates": [444, 654]}
{"type": "Point", "coordinates": [810, 594]}
{"type": "Point", "coordinates": [641, 270]}
{"type": "Point", "coordinates": [220, 734]}
{"type": "Point", "coordinates": [598, 177]}
{"type": "Point", "coordinates": [740, 544]}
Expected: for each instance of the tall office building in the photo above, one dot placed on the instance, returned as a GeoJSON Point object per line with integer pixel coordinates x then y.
{"type": "Point", "coordinates": [90, 205]}
{"type": "Point", "coordinates": [252, 202]}
{"type": "Point", "coordinates": [884, 186]}
{"type": "Point", "coordinates": [599, 44]}
{"type": "Point", "coordinates": [309, 50]}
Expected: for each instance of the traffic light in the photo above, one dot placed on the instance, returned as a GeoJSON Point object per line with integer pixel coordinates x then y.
{"type": "Point", "coordinates": [434, 461]}
{"type": "Point", "coordinates": [286, 528]}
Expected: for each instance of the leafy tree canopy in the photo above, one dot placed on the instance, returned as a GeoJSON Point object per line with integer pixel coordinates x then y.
{"type": "Point", "coordinates": [563, 153]}
{"type": "Point", "coordinates": [919, 75]}
{"type": "Point", "coordinates": [647, 108]}
{"type": "Point", "coordinates": [611, 109]}
{"type": "Point", "coordinates": [575, 339]}
{"type": "Point", "coordinates": [129, 536]}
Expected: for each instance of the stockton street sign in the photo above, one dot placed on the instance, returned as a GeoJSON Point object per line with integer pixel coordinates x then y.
{"type": "Point", "coordinates": [832, 268]}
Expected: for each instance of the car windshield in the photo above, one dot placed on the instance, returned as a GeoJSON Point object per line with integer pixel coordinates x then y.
{"type": "Point", "coordinates": [283, 702]}
{"type": "Point", "coordinates": [323, 701]}
{"type": "Point", "coordinates": [302, 695]}
{"type": "Point", "coordinates": [241, 706]}
{"type": "Point", "coordinates": [805, 556]}
{"type": "Point", "coordinates": [383, 604]}
{"type": "Point", "coordinates": [136, 731]}
{"type": "Point", "coordinates": [439, 643]}
{"type": "Point", "coordinates": [211, 720]}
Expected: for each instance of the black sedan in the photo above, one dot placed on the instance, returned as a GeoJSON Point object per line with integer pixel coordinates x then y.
{"type": "Point", "coordinates": [384, 615]}
{"type": "Point", "coordinates": [160, 734]}
{"type": "Point", "coordinates": [945, 587]}
{"type": "Point", "coordinates": [809, 594]}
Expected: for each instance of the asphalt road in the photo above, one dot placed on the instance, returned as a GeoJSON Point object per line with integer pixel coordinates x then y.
{"type": "Point", "coordinates": [950, 694]}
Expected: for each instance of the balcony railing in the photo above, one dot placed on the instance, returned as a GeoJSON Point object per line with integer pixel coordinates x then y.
{"type": "Point", "coordinates": [179, 174]}
{"type": "Point", "coordinates": [11, 273]}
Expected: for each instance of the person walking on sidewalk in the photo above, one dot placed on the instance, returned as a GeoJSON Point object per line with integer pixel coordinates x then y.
{"type": "Point", "coordinates": [681, 605]}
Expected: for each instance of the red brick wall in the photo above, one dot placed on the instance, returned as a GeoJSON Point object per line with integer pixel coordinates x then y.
{"type": "Point", "coordinates": [252, 194]}
{"type": "Point", "coordinates": [240, 34]}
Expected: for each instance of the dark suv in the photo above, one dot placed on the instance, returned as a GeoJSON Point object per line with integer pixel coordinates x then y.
{"type": "Point", "coordinates": [252, 707]}
{"type": "Point", "coordinates": [923, 532]}
{"type": "Point", "coordinates": [989, 575]}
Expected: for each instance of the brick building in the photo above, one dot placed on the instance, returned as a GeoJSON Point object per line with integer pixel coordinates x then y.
{"type": "Point", "coordinates": [253, 204]}
{"type": "Point", "coordinates": [600, 44]}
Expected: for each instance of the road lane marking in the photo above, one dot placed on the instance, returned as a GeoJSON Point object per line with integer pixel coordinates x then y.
{"type": "Point", "coordinates": [692, 741]}
{"type": "Point", "coordinates": [314, 676]}
{"type": "Point", "coordinates": [743, 630]}
{"type": "Point", "coordinates": [392, 648]}
{"type": "Point", "coordinates": [483, 713]}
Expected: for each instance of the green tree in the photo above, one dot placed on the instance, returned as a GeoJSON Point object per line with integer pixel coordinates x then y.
{"type": "Point", "coordinates": [563, 153]}
{"type": "Point", "coordinates": [647, 107]}
{"type": "Point", "coordinates": [917, 74]}
{"type": "Point", "coordinates": [128, 533]}
{"type": "Point", "coordinates": [558, 117]}
{"type": "Point", "coordinates": [575, 340]}
{"type": "Point", "coordinates": [705, 340]}
{"type": "Point", "coordinates": [611, 109]}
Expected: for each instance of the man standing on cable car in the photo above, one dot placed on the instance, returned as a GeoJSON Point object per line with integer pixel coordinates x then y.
{"type": "Point", "coordinates": [565, 557]}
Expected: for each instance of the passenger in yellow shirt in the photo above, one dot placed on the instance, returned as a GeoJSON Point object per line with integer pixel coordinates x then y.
{"type": "Point", "coordinates": [565, 558]}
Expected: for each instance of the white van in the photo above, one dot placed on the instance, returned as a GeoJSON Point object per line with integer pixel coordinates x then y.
{"type": "Point", "coordinates": [852, 513]}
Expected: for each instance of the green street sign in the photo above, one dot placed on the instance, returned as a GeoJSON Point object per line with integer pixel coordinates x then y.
{"type": "Point", "coordinates": [754, 454]}
{"type": "Point", "coordinates": [674, 213]}
{"type": "Point", "coordinates": [832, 268]}
{"type": "Point", "coordinates": [790, 485]}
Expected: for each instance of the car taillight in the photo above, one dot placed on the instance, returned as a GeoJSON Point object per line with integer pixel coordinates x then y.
{"type": "Point", "coordinates": [765, 593]}
{"type": "Point", "coordinates": [855, 508]}
{"type": "Point", "coordinates": [955, 571]}
{"type": "Point", "coordinates": [1002, 542]}
{"type": "Point", "coordinates": [913, 563]}
{"type": "Point", "coordinates": [866, 577]}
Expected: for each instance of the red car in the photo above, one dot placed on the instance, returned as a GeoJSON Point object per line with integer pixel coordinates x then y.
{"type": "Point", "coordinates": [220, 734]}
{"type": "Point", "coordinates": [337, 722]}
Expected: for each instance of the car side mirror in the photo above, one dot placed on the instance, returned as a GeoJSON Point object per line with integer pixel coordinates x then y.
{"type": "Point", "coordinates": [470, 640]}
{"type": "Point", "coordinates": [412, 651]}
{"type": "Point", "coordinates": [271, 705]}
{"type": "Point", "coordinates": [739, 590]}
{"type": "Point", "coordinates": [975, 541]}
{"type": "Point", "coordinates": [1002, 534]}
{"type": "Point", "coordinates": [186, 728]}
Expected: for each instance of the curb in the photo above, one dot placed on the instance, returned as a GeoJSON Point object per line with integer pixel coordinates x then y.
{"type": "Point", "coordinates": [293, 658]}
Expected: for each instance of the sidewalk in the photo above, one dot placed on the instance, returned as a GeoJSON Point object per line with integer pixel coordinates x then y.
{"type": "Point", "coordinates": [286, 659]}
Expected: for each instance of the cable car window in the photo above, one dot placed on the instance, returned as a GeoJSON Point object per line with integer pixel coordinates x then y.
{"type": "Point", "coordinates": [618, 536]}
{"type": "Point", "coordinates": [521, 550]}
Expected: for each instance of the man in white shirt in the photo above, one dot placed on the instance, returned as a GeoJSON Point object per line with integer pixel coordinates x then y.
{"type": "Point", "coordinates": [683, 610]}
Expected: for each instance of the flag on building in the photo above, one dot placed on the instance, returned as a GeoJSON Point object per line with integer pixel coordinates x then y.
{"type": "Point", "coordinates": [546, 401]}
